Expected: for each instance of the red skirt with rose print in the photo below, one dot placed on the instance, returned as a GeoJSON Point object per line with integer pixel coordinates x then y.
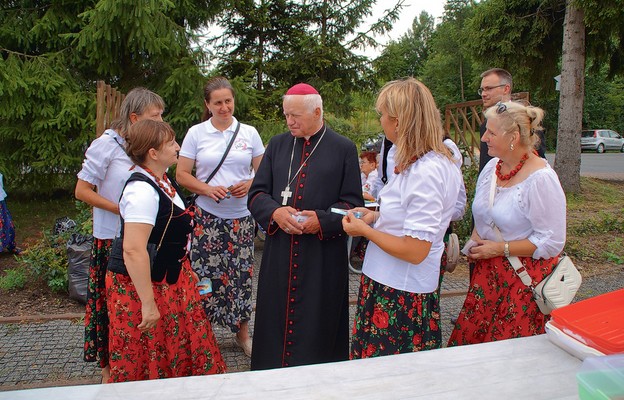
{"type": "Point", "coordinates": [498, 305]}
{"type": "Point", "coordinates": [182, 344]}
{"type": "Point", "coordinates": [390, 321]}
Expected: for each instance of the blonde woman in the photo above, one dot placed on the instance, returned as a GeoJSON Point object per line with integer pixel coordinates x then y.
{"type": "Point", "coordinates": [529, 209]}
{"type": "Point", "coordinates": [398, 309]}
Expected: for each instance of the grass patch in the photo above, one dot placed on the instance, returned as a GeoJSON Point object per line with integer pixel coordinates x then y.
{"type": "Point", "coordinates": [32, 217]}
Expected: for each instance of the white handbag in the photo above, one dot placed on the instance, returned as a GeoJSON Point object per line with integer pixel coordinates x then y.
{"type": "Point", "coordinates": [557, 289]}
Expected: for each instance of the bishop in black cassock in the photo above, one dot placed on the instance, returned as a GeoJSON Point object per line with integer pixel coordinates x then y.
{"type": "Point", "coordinates": [302, 314]}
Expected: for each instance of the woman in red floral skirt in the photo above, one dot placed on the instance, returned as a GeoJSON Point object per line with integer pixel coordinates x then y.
{"type": "Point", "coordinates": [528, 207]}
{"type": "Point", "coordinates": [398, 308]}
{"type": "Point", "coordinates": [157, 328]}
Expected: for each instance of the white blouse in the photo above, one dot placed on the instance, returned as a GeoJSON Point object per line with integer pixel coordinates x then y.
{"type": "Point", "coordinates": [460, 205]}
{"type": "Point", "coordinates": [534, 209]}
{"type": "Point", "coordinates": [139, 202]}
{"type": "Point", "coordinates": [206, 144]}
{"type": "Point", "coordinates": [419, 203]}
{"type": "Point", "coordinates": [106, 166]}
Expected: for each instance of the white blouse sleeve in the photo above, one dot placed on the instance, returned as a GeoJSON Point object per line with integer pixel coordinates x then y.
{"type": "Point", "coordinates": [139, 203]}
{"type": "Point", "coordinates": [423, 202]}
{"type": "Point", "coordinates": [460, 204]}
{"type": "Point", "coordinates": [97, 159]}
{"type": "Point", "coordinates": [544, 205]}
{"type": "Point", "coordinates": [256, 145]}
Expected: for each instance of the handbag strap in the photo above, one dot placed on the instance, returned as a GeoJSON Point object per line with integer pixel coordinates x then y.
{"type": "Point", "coordinates": [166, 227]}
{"type": "Point", "coordinates": [384, 160]}
{"type": "Point", "coordinates": [227, 150]}
{"type": "Point", "coordinates": [513, 260]}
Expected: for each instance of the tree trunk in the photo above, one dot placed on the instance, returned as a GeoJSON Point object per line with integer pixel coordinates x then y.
{"type": "Point", "coordinates": [568, 156]}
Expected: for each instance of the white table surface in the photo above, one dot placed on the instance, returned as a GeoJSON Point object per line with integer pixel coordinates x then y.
{"type": "Point", "coordinates": [526, 368]}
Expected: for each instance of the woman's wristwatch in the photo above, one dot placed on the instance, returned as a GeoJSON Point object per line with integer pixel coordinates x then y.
{"type": "Point", "coordinates": [506, 251]}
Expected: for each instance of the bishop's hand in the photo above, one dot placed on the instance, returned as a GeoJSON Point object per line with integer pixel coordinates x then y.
{"type": "Point", "coordinates": [311, 224]}
{"type": "Point", "coordinates": [283, 217]}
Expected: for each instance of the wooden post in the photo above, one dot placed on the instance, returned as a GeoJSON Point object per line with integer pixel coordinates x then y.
{"type": "Point", "coordinates": [108, 104]}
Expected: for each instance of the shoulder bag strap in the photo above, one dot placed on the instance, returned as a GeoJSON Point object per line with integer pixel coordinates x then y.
{"type": "Point", "coordinates": [513, 260]}
{"type": "Point", "coordinates": [384, 160]}
{"type": "Point", "coordinates": [227, 150]}
{"type": "Point", "coordinates": [193, 198]}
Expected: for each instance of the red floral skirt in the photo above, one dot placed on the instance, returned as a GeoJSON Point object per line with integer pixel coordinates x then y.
{"type": "Point", "coordinates": [390, 321]}
{"type": "Point", "coordinates": [182, 344]}
{"type": "Point", "coordinates": [498, 305]}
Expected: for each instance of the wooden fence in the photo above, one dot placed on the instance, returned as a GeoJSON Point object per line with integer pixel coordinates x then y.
{"type": "Point", "coordinates": [108, 103]}
{"type": "Point", "coordinates": [462, 122]}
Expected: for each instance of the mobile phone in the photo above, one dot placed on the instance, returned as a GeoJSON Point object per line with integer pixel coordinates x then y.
{"type": "Point", "coordinates": [340, 211]}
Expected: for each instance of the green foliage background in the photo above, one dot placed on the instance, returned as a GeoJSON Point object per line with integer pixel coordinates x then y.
{"type": "Point", "coordinates": [53, 52]}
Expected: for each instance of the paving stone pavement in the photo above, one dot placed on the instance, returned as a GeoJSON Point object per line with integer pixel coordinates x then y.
{"type": "Point", "coordinates": [49, 353]}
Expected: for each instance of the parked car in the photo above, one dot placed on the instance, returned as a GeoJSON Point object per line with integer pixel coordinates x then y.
{"type": "Point", "coordinates": [601, 140]}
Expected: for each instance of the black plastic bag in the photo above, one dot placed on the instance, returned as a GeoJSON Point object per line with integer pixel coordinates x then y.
{"type": "Point", "coordinates": [78, 258]}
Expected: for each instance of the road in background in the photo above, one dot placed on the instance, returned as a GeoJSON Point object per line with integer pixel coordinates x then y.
{"type": "Point", "coordinates": [594, 164]}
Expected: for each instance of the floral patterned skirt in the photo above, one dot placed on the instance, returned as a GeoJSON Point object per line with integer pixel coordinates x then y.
{"type": "Point", "coordinates": [390, 321]}
{"type": "Point", "coordinates": [222, 250]}
{"type": "Point", "coordinates": [498, 305]}
{"type": "Point", "coordinates": [182, 344]}
{"type": "Point", "coordinates": [96, 314]}
{"type": "Point", "coordinates": [7, 229]}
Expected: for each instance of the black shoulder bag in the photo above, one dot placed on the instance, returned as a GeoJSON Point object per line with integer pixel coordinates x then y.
{"type": "Point", "coordinates": [191, 199]}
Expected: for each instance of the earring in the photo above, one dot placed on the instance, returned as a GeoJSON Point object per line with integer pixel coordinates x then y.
{"type": "Point", "coordinates": [511, 146]}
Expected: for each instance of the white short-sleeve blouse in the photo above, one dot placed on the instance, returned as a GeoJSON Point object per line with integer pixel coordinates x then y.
{"type": "Point", "coordinates": [106, 166]}
{"type": "Point", "coordinates": [139, 202]}
{"type": "Point", "coordinates": [206, 145]}
{"type": "Point", "coordinates": [534, 209]}
{"type": "Point", "coordinates": [418, 202]}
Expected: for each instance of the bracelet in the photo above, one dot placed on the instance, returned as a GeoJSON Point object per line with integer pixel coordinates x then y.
{"type": "Point", "coordinates": [506, 251]}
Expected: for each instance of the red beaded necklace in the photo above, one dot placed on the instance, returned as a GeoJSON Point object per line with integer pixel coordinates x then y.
{"type": "Point", "coordinates": [169, 189]}
{"type": "Point", "coordinates": [513, 172]}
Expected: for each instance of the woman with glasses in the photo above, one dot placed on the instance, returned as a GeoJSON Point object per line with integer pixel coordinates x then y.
{"type": "Point", "coordinates": [368, 166]}
{"type": "Point", "coordinates": [398, 309]}
{"type": "Point", "coordinates": [519, 210]}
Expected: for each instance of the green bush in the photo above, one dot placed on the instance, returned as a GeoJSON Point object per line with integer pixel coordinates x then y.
{"type": "Point", "coordinates": [46, 260]}
{"type": "Point", "coordinates": [13, 279]}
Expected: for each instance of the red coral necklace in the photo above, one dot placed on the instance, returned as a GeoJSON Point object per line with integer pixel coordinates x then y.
{"type": "Point", "coordinates": [169, 189]}
{"type": "Point", "coordinates": [513, 172]}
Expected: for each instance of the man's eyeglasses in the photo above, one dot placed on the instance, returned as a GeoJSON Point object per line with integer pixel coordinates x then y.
{"type": "Point", "coordinates": [488, 88]}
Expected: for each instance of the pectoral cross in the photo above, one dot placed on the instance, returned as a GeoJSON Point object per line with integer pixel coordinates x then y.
{"type": "Point", "coordinates": [286, 194]}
